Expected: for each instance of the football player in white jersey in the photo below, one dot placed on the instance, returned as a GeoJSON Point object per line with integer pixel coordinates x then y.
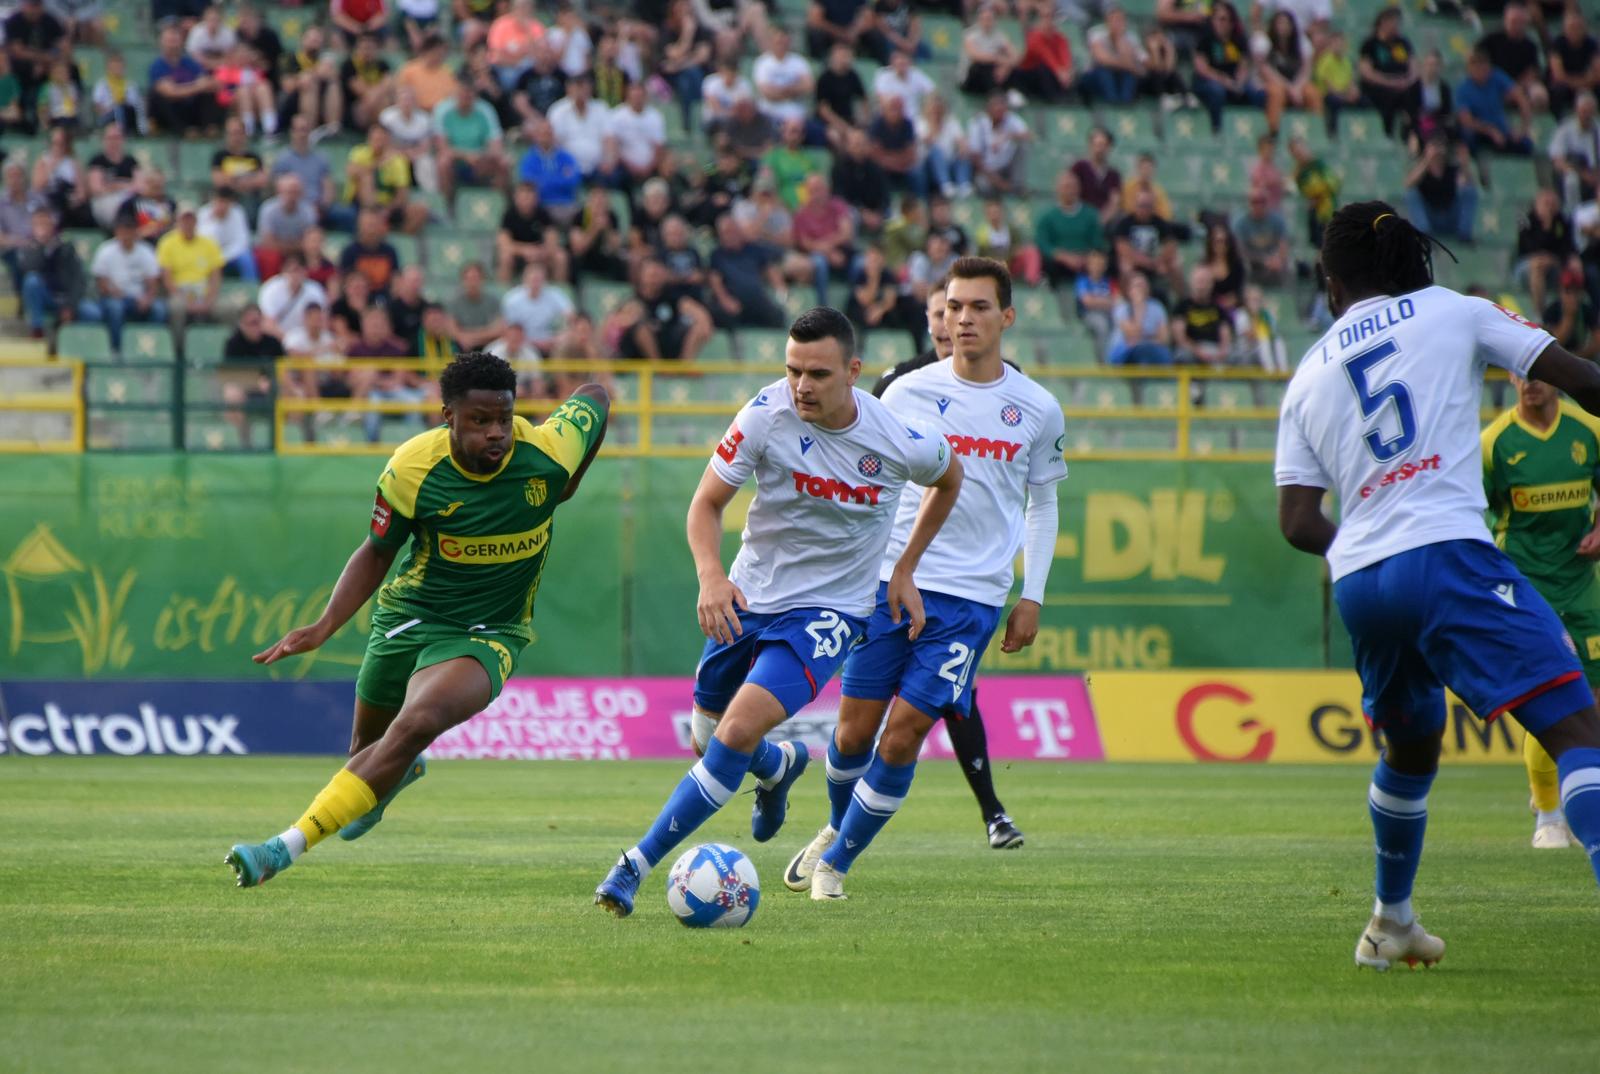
{"type": "Point", "coordinates": [1383, 412]}
{"type": "Point", "coordinates": [1010, 432]}
{"type": "Point", "coordinates": [831, 465]}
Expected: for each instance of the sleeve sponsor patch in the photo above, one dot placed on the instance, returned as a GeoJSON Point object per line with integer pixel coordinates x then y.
{"type": "Point", "coordinates": [1515, 316]}
{"type": "Point", "coordinates": [382, 515]}
{"type": "Point", "coordinates": [729, 447]}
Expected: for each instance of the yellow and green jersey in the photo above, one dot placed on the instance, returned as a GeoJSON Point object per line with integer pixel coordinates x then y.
{"type": "Point", "coordinates": [478, 541]}
{"type": "Point", "coordinates": [1540, 485]}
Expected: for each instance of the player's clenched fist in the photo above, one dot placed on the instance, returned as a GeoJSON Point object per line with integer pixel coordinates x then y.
{"type": "Point", "coordinates": [1022, 626]}
{"type": "Point", "coordinates": [719, 607]}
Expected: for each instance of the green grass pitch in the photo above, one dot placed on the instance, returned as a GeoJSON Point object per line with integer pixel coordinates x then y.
{"type": "Point", "coordinates": [1160, 919]}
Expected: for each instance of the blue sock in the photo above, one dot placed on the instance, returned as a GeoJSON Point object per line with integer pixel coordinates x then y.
{"type": "Point", "coordinates": [768, 762]}
{"type": "Point", "coordinates": [879, 794]}
{"type": "Point", "coordinates": [1399, 806]}
{"type": "Point", "coordinates": [1580, 798]}
{"type": "Point", "coordinates": [707, 787]}
{"type": "Point", "coordinates": [843, 769]}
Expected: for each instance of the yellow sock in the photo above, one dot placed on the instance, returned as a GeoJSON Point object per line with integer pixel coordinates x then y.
{"type": "Point", "coordinates": [345, 798]}
{"type": "Point", "coordinates": [1543, 779]}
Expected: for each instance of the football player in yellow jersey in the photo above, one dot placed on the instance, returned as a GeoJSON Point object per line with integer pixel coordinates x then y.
{"type": "Point", "coordinates": [475, 499]}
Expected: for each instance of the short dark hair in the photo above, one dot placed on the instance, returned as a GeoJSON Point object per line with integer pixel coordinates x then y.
{"type": "Point", "coordinates": [1373, 250]}
{"type": "Point", "coordinates": [978, 268]}
{"type": "Point", "coordinates": [475, 371]}
{"type": "Point", "coordinates": [825, 322]}
{"type": "Point", "coordinates": [293, 257]}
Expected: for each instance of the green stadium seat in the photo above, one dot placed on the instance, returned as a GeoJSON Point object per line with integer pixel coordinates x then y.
{"type": "Point", "coordinates": [719, 348]}
{"type": "Point", "coordinates": [194, 161]}
{"type": "Point", "coordinates": [479, 210]}
{"type": "Point", "coordinates": [886, 347]}
{"type": "Point", "coordinates": [88, 342]}
{"type": "Point", "coordinates": [203, 343]}
{"type": "Point", "coordinates": [112, 385]}
{"type": "Point", "coordinates": [147, 343]}
{"type": "Point", "coordinates": [601, 297]}
{"type": "Point", "coordinates": [86, 241]}
{"type": "Point", "coordinates": [762, 345]}
{"type": "Point", "coordinates": [450, 252]}
{"type": "Point", "coordinates": [407, 246]}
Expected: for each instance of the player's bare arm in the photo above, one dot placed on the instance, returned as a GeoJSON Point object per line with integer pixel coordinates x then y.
{"type": "Point", "coordinates": [1302, 521]}
{"type": "Point", "coordinates": [720, 600]}
{"type": "Point", "coordinates": [363, 573]}
{"type": "Point", "coordinates": [1576, 376]}
{"type": "Point", "coordinates": [601, 399]}
{"type": "Point", "coordinates": [936, 507]}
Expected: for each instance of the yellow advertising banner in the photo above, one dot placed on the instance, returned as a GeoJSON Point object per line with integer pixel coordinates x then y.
{"type": "Point", "coordinates": [1253, 717]}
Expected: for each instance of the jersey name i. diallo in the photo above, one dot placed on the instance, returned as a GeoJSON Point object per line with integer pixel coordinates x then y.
{"type": "Point", "coordinates": [1009, 433]}
{"type": "Point", "coordinates": [1383, 410]}
{"type": "Point", "coordinates": [825, 499]}
{"type": "Point", "coordinates": [1540, 484]}
{"type": "Point", "coordinates": [478, 541]}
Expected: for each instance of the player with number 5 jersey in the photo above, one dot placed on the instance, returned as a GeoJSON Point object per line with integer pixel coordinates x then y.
{"type": "Point", "coordinates": [1383, 412]}
{"type": "Point", "coordinates": [1010, 433]}
{"type": "Point", "coordinates": [831, 465]}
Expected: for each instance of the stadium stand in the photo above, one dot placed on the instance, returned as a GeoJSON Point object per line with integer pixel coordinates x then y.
{"type": "Point", "coordinates": [365, 130]}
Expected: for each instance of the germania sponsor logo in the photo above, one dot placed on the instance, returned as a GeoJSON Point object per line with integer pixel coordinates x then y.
{"type": "Point", "coordinates": [149, 731]}
{"type": "Point", "coordinates": [1558, 497]}
{"type": "Point", "coordinates": [500, 548]}
{"type": "Point", "coordinates": [831, 488]}
{"type": "Point", "coordinates": [1402, 473]}
{"type": "Point", "coordinates": [983, 447]}
{"type": "Point", "coordinates": [730, 444]}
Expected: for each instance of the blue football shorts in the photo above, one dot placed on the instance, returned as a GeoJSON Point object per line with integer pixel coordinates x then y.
{"type": "Point", "coordinates": [934, 673]}
{"type": "Point", "coordinates": [790, 654]}
{"type": "Point", "coordinates": [1456, 614]}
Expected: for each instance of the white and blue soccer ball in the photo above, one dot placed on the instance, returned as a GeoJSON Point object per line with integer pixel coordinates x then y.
{"type": "Point", "coordinates": [713, 886]}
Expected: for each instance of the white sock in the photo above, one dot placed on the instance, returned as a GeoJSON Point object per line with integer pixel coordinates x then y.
{"type": "Point", "coordinates": [1554, 817]}
{"type": "Point", "coordinates": [249, 122]}
{"type": "Point", "coordinates": [269, 122]}
{"type": "Point", "coordinates": [639, 862]}
{"type": "Point", "coordinates": [1398, 912]}
{"type": "Point", "coordinates": [295, 840]}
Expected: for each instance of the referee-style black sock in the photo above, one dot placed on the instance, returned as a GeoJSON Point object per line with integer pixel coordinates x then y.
{"type": "Point", "coordinates": [972, 750]}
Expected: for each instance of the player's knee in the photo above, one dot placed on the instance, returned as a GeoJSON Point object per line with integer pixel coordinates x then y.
{"type": "Point", "coordinates": [1415, 757]}
{"type": "Point", "coordinates": [1581, 730]}
{"type": "Point", "coordinates": [902, 741]}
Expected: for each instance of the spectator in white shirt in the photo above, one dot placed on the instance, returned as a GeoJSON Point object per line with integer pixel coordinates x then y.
{"type": "Point", "coordinates": [541, 308]}
{"type": "Point", "coordinates": [719, 92]}
{"type": "Point", "coordinates": [411, 131]}
{"type": "Point", "coordinates": [581, 125]}
{"type": "Point", "coordinates": [211, 39]}
{"type": "Point", "coordinates": [223, 222]}
{"type": "Point", "coordinates": [570, 38]}
{"type": "Point", "coordinates": [127, 281]}
{"type": "Point", "coordinates": [640, 133]}
{"type": "Point", "coordinates": [900, 79]}
{"type": "Point", "coordinates": [783, 81]}
{"type": "Point", "coordinates": [997, 138]}
{"type": "Point", "coordinates": [285, 297]}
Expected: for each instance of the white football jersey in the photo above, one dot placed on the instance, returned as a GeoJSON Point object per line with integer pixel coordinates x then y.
{"type": "Point", "coordinates": [825, 499]}
{"type": "Point", "coordinates": [1384, 411]}
{"type": "Point", "coordinates": [1009, 433]}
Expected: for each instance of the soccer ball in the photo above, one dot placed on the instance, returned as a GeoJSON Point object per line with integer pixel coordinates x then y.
{"type": "Point", "coordinates": [713, 886]}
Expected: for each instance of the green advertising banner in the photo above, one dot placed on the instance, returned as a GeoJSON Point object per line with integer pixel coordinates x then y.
{"type": "Point", "coordinates": [183, 566]}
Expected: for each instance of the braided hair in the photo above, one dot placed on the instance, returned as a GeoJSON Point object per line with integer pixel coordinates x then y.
{"type": "Point", "coordinates": [1372, 250]}
{"type": "Point", "coordinates": [473, 370]}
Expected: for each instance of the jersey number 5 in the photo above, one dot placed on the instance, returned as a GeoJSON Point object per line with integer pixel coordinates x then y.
{"type": "Point", "coordinates": [1373, 401]}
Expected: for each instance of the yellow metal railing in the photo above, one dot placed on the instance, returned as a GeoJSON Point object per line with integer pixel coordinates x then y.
{"type": "Point", "coordinates": [68, 401]}
{"type": "Point", "coordinates": [637, 388]}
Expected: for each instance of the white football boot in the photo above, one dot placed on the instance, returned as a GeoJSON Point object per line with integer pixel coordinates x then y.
{"type": "Point", "coordinates": [1386, 942]}
{"type": "Point", "coordinates": [827, 883]}
{"type": "Point", "coordinates": [797, 877]}
{"type": "Point", "coordinates": [1553, 835]}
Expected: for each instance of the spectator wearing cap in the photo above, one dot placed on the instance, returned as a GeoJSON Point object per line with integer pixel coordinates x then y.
{"type": "Point", "coordinates": [1481, 101]}
{"type": "Point", "coordinates": [1440, 195]}
{"type": "Point", "coordinates": [1574, 57]}
{"type": "Point", "coordinates": [743, 280]}
{"type": "Point", "coordinates": [224, 223]}
{"type": "Point", "coordinates": [998, 139]}
{"type": "Point", "coordinates": [191, 271]}
{"type": "Point", "coordinates": [183, 95]}
{"type": "Point", "coordinates": [427, 75]}
{"type": "Point", "coordinates": [1573, 317]}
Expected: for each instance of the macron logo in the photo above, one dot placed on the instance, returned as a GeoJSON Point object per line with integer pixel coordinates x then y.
{"type": "Point", "coordinates": [944, 404]}
{"type": "Point", "coordinates": [1506, 592]}
{"type": "Point", "coordinates": [805, 444]}
{"type": "Point", "coordinates": [831, 488]}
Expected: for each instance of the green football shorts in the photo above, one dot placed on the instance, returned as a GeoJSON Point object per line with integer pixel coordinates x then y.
{"type": "Point", "coordinates": [400, 646]}
{"type": "Point", "coordinates": [1582, 620]}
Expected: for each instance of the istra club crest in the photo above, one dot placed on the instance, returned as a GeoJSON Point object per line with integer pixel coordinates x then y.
{"type": "Point", "coordinates": [536, 491]}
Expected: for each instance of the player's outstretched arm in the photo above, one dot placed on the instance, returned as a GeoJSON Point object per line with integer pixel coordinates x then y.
{"type": "Point", "coordinates": [601, 399]}
{"type": "Point", "coordinates": [720, 600]}
{"type": "Point", "coordinates": [362, 576]}
{"type": "Point", "coordinates": [1576, 376]}
{"type": "Point", "coordinates": [1301, 519]}
{"type": "Point", "coordinates": [937, 504]}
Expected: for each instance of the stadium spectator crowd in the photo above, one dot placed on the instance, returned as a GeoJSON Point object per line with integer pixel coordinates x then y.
{"type": "Point", "coordinates": [833, 172]}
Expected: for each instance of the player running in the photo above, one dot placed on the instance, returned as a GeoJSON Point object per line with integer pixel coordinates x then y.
{"type": "Point", "coordinates": [1541, 461]}
{"type": "Point", "coordinates": [475, 499]}
{"type": "Point", "coordinates": [1383, 412]}
{"type": "Point", "coordinates": [831, 464]}
{"type": "Point", "coordinates": [967, 737]}
{"type": "Point", "coordinates": [1010, 430]}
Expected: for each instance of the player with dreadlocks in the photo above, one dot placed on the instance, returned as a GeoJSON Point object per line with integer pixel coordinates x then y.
{"type": "Point", "coordinates": [1383, 412]}
{"type": "Point", "coordinates": [475, 497]}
